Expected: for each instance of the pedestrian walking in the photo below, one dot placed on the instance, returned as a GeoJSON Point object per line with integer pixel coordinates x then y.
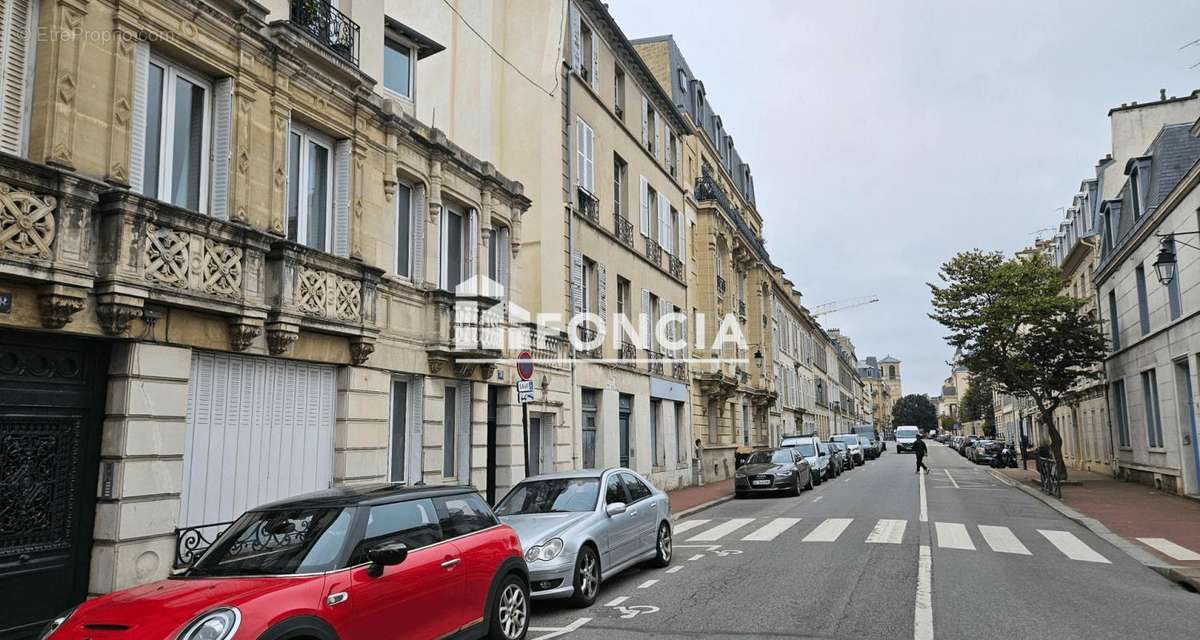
{"type": "Point", "coordinates": [920, 449]}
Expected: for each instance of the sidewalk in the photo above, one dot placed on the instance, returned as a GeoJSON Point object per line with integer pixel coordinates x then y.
{"type": "Point", "coordinates": [1163, 524]}
{"type": "Point", "coordinates": [688, 500]}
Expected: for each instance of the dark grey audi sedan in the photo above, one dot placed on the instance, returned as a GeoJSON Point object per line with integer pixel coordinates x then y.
{"type": "Point", "coordinates": [771, 471]}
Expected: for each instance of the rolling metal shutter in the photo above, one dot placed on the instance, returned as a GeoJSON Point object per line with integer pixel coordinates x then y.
{"type": "Point", "coordinates": [258, 429]}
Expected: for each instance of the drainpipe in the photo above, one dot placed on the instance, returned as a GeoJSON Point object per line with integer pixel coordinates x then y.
{"type": "Point", "coordinates": [577, 419]}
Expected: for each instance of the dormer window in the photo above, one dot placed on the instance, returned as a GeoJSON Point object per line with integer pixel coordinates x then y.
{"type": "Point", "coordinates": [1135, 193]}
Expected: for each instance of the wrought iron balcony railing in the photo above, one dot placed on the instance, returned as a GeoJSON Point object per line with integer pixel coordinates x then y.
{"type": "Point", "coordinates": [679, 370]}
{"type": "Point", "coordinates": [720, 285]}
{"type": "Point", "coordinates": [742, 308]}
{"type": "Point", "coordinates": [329, 26]}
{"type": "Point", "coordinates": [624, 229]}
{"type": "Point", "coordinates": [653, 251]}
{"type": "Point", "coordinates": [589, 205]}
{"type": "Point", "coordinates": [676, 268]}
{"type": "Point", "coordinates": [628, 351]}
{"type": "Point", "coordinates": [192, 542]}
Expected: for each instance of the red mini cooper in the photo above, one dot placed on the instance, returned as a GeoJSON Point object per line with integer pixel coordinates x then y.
{"type": "Point", "coordinates": [369, 562]}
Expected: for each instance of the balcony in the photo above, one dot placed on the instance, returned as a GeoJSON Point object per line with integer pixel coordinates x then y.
{"type": "Point", "coordinates": [330, 27]}
{"type": "Point", "coordinates": [679, 371]}
{"type": "Point", "coordinates": [468, 333]}
{"type": "Point", "coordinates": [653, 251]}
{"type": "Point", "coordinates": [589, 205]}
{"type": "Point", "coordinates": [623, 229]}
{"type": "Point", "coordinates": [654, 362]}
{"type": "Point", "coordinates": [721, 286]}
{"type": "Point", "coordinates": [676, 268]}
{"type": "Point", "coordinates": [628, 352]}
{"type": "Point", "coordinates": [742, 309]}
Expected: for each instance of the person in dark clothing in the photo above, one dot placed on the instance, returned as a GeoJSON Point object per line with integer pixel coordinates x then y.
{"type": "Point", "coordinates": [920, 449]}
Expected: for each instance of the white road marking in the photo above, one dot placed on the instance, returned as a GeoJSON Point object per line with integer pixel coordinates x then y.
{"type": "Point", "coordinates": [952, 535]}
{"type": "Point", "coordinates": [689, 525]}
{"type": "Point", "coordinates": [616, 602]}
{"type": "Point", "coordinates": [828, 531]}
{"type": "Point", "coordinates": [675, 569]}
{"type": "Point", "coordinates": [559, 631]}
{"type": "Point", "coordinates": [1002, 540]}
{"type": "Point", "coordinates": [952, 480]}
{"type": "Point", "coordinates": [924, 505]}
{"type": "Point", "coordinates": [721, 530]}
{"type": "Point", "coordinates": [1000, 478]}
{"type": "Point", "coordinates": [647, 584]}
{"type": "Point", "coordinates": [818, 498]}
{"type": "Point", "coordinates": [696, 557]}
{"type": "Point", "coordinates": [1170, 549]}
{"type": "Point", "coordinates": [1072, 547]}
{"type": "Point", "coordinates": [888, 532]}
{"type": "Point", "coordinates": [923, 608]}
{"type": "Point", "coordinates": [772, 529]}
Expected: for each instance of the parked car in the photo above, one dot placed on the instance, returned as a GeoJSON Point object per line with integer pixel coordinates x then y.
{"type": "Point", "coordinates": [870, 445]}
{"type": "Point", "coordinates": [773, 470]}
{"type": "Point", "coordinates": [853, 445]}
{"type": "Point", "coordinates": [816, 453]}
{"type": "Point", "coordinates": [905, 437]}
{"type": "Point", "coordinates": [965, 446]}
{"type": "Point", "coordinates": [840, 456]}
{"type": "Point", "coordinates": [342, 563]}
{"type": "Point", "coordinates": [576, 536]}
{"type": "Point", "coordinates": [981, 451]}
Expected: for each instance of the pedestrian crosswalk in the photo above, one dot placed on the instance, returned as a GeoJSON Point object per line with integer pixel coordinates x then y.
{"type": "Point", "coordinates": [946, 535]}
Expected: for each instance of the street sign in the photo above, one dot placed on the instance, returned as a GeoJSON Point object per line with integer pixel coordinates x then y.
{"type": "Point", "coordinates": [525, 391]}
{"type": "Point", "coordinates": [525, 365]}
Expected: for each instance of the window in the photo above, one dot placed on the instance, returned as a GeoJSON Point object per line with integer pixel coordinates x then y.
{"type": "Point", "coordinates": [585, 147]}
{"type": "Point", "coordinates": [672, 153]}
{"type": "Point", "coordinates": [16, 71]}
{"type": "Point", "coordinates": [619, 93]}
{"type": "Point", "coordinates": [587, 48]}
{"type": "Point", "coordinates": [412, 522]}
{"type": "Point", "coordinates": [649, 202]}
{"type": "Point", "coordinates": [636, 488]}
{"type": "Point", "coordinates": [449, 422]}
{"type": "Point", "coordinates": [590, 286]}
{"type": "Point", "coordinates": [615, 490]}
{"type": "Point", "coordinates": [177, 137]}
{"type": "Point", "coordinates": [652, 312]}
{"type": "Point", "coordinates": [622, 297]}
{"type": "Point", "coordinates": [681, 434]}
{"type": "Point", "coordinates": [398, 68]}
{"type": "Point", "coordinates": [499, 254]}
{"type": "Point", "coordinates": [463, 514]}
{"type": "Point", "coordinates": [1174, 300]}
{"type": "Point", "coordinates": [456, 247]}
{"type": "Point", "coordinates": [651, 130]}
{"type": "Point", "coordinates": [1143, 303]}
{"type": "Point", "coordinates": [310, 188]}
{"type": "Point", "coordinates": [1135, 193]}
{"type": "Point", "coordinates": [399, 428]}
{"type": "Point", "coordinates": [404, 230]}
{"type": "Point", "coordinates": [1114, 330]}
{"type": "Point", "coordinates": [1154, 433]}
{"type": "Point", "coordinates": [655, 441]}
{"type": "Point", "coordinates": [620, 173]}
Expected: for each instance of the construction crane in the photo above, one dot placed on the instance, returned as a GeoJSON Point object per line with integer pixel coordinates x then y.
{"type": "Point", "coordinates": [841, 305]}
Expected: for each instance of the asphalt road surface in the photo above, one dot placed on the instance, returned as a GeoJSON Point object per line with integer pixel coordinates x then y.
{"type": "Point", "coordinates": [866, 556]}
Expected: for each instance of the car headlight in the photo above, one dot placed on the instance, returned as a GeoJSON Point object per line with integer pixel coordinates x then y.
{"type": "Point", "coordinates": [218, 624]}
{"type": "Point", "coordinates": [548, 550]}
{"type": "Point", "coordinates": [55, 623]}
{"type": "Point", "coordinates": [783, 474]}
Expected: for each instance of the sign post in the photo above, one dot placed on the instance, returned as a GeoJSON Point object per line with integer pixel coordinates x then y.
{"type": "Point", "coordinates": [525, 396]}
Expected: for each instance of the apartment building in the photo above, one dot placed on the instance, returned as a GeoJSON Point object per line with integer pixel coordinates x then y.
{"type": "Point", "coordinates": [792, 357]}
{"type": "Point", "coordinates": [882, 378]}
{"type": "Point", "coordinates": [230, 272]}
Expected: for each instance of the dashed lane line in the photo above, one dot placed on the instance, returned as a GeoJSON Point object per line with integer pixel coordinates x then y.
{"type": "Point", "coordinates": [696, 557]}
{"type": "Point", "coordinates": [952, 480]}
{"type": "Point", "coordinates": [616, 602]}
{"type": "Point", "coordinates": [556, 632]}
{"type": "Point", "coordinates": [923, 607]}
{"type": "Point", "coordinates": [647, 584]}
{"type": "Point", "coordinates": [675, 569]}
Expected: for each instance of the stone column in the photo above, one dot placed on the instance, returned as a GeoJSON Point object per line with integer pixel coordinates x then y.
{"type": "Point", "coordinates": [141, 472]}
{"type": "Point", "coordinates": [510, 445]}
{"type": "Point", "coordinates": [361, 435]}
{"type": "Point", "coordinates": [608, 429]}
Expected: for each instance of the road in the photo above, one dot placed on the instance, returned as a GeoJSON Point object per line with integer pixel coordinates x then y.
{"type": "Point", "coordinates": [854, 558]}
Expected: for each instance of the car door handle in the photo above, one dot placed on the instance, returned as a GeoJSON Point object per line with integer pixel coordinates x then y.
{"type": "Point", "coordinates": [451, 563]}
{"type": "Point", "coordinates": [633, 512]}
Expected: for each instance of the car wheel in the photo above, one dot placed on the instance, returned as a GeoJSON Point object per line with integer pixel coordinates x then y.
{"type": "Point", "coordinates": [795, 490]}
{"type": "Point", "coordinates": [809, 486]}
{"type": "Point", "coordinates": [510, 613]}
{"type": "Point", "coordinates": [662, 547]}
{"type": "Point", "coordinates": [587, 577]}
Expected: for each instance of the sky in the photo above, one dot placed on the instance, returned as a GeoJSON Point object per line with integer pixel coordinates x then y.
{"type": "Point", "coordinates": [886, 136]}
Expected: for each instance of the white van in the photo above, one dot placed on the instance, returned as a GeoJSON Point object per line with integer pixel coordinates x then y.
{"type": "Point", "coordinates": [905, 437]}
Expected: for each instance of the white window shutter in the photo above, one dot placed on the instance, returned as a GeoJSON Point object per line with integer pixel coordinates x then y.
{"type": "Point", "coordinates": [664, 224]}
{"type": "Point", "coordinates": [443, 268]}
{"type": "Point", "coordinates": [137, 145]}
{"type": "Point", "coordinates": [576, 283]}
{"type": "Point", "coordinates": [645, 199]}
{"type": "Point", "coordinates": [658, 152]}
{"type": "Point", "coordinates": [576, 49]}
{"type": "Point", "coordinates": [222, 147]}
{"type": "Point", "coordinates": [472, 247]}
{"type": "Point", "coordinates": [16, 43]}
{"type": "Point", "coordinates": [645, 122]}
{"type": "Point", "coordinates": [418, 232]}
{"type": "Point", "coordinates": [595, 61]}
{"type": "Point", "coordinates": [646, 320]}
{"type": "Point", "coordinates": [589, 175]}
{"type": "Point", "coordinates": [504, 252]}
{"type": "Point", "coordinates": [462, 435]}
{"type": "Point", "coordinates": [343, 157]}
{"type": "Point", "coordinates": [580, 151]}
{"type": "Point", "coordinates": [413, 467]}
{"type": "Point", "coordinates": [681, 237]}
{"type": "Point", "coordinates": [602, 291]}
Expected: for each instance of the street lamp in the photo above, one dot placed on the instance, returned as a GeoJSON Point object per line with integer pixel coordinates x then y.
{"type": "Point", "coordinates": [758, 358]}
{"type": "Point", "coordinates": [1164, 265]}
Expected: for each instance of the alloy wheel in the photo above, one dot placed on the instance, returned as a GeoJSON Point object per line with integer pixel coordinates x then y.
{"type": "Point", "coordinates": [514, 611]}
{"type": "Point", "coordinates": [664, 542]}
{"type": "Point", "coordinates": [588, 579]}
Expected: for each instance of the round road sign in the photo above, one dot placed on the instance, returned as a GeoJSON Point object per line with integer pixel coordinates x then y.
{"type": "Point", "coordinates": [525, 365]}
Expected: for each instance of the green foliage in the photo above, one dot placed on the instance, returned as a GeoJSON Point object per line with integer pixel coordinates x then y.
{"type": "Point", "coordinates": [1016, 328]}
{"type": "Point", "coordinates": [977, 401]}
{"type": "Point", "coordinates": [945, 422]}
{"type": "Point", "coordinates": [915, 410]}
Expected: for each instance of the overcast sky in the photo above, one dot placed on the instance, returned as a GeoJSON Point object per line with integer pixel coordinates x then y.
{"type": "Point", "coordinates": [886, 136]}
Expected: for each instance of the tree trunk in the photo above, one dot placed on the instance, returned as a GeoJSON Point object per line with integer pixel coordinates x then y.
{"type": "Point", "coordinates": [1056, 442]}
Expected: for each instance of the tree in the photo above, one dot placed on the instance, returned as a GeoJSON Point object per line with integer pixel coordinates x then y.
{"type": "Point", "coordinates": [946, 422]}
{"type": "Point", "coordinates": [915, 410]}
{"type": "Point", "coordinates": [977, 404]}
{"type": "Point", "coordinates": [1015, 327]}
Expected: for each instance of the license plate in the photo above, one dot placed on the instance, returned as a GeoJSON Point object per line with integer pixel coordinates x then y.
{"type": "Point", "coordinates": [761, 483]}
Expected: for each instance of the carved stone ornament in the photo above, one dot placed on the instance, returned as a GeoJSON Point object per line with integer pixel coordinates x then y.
{"type": "Point", "coordinates": [464, 370]}
{"type": "Point", "coordinates": [281, 339]}
{"type": "Point", "coordinates": [222, 269]}
{"type": "Point", "coordinates": [242, 334]}
{"type": "Point", "coordinates": [57, 309]}
{"type": "Point", "coordinates": [360, 350]}
{"type": "Point", "coordinates": [27, 224]}
{"type": "Point", "coordinates": [114, 317]}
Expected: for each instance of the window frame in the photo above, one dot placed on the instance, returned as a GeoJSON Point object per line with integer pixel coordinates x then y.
{"type": "Point", "coordinates": [408, 423]}
{"type": "Point", "coordinates": [1143, 298]}
{"type": "Point", "coordinates": [166, 152]}
{"type": "Point", "coordinates": [393, 39]}
{"type": "Point", "coordinates": [450, 420]}
{"type": "Point", "coordinates": [411, 240]}
{"type": "Point", "coordinates": [310, 136]}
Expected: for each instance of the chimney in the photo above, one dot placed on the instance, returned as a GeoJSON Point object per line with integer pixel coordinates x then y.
{"type": "Point", "coordinates": [1162, 94]}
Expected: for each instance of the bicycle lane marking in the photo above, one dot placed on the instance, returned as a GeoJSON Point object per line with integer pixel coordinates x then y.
{"type": "Point", "coordinates": [555, 632]}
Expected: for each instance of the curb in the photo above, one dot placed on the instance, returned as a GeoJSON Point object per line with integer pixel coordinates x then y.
{"type": "Point", "coordinates": [700, 507]}
{"type": "Point", "coordinates": [1180, 575]}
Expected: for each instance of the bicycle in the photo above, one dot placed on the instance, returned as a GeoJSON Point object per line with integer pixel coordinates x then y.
{"type": "Point", "coordinates": [1048, 470]}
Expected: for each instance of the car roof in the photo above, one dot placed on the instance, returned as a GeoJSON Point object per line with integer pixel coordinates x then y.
{"type": "Point", "coordinates": [365, 494]}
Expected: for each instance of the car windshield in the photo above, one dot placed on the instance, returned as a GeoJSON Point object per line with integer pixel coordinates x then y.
{"type": "Point", "coordinates": [906, 432]}
{"type": "Point", "coordinates": [805, 449]}
{"type": "Point", "coordinates": [278, 542]}
{"type": "Point", "coordinates": [558, 495]}
{"type": "Point", "coordinates": [781, 456]}
{"type": "Point", "coordinates": [848, 440]}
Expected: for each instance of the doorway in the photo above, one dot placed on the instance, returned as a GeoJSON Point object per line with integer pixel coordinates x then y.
{"type": "Point", "coordinates": [589, 428]}
{"type": "Point", "coordinates": [1187, 413]}
{"type": "Point", "coordinates": [625, 408]}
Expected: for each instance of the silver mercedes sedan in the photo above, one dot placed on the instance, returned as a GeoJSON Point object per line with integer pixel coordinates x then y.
{"type": "Point", "coordinates": [582, 527]}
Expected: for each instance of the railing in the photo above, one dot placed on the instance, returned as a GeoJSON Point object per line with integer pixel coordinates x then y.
{"type": "Point", "coordinates": [329, 26]}
{"type": "Point", "coordinates": [192, 542]}
{"type": "Point", "coordinates": [586, 335]}
{"type": "Point", "coordinates": [676, 268]}
{"type": "Point", "coordinates": [623, 228]}
{"type": "Point", "coordinates": [589, 205]}
{"type": "Point", "coordinates": [720, 285]}
{"type": "Point", "coordinates": [654, 362]}
{"type": "Point", "coordinates": [1050, 481]}
{"type": "Point", "coordinates": [742, 308]}
{"type": "Point", "coordinates": [628, 351]}
{"type": "Point", "coordinates": [679, 370]}
{"type": "Point", "coordinates": [653, 251]}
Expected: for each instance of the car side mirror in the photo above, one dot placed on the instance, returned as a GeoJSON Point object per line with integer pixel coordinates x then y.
{"type": "Point", "coordinates": [385, 555]}
{"type": "Point", "coordinates": [615, 508]}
